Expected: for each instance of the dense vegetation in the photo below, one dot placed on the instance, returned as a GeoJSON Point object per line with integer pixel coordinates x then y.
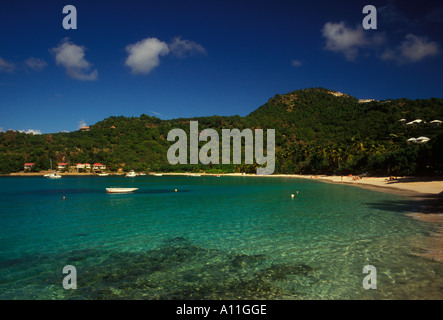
{"type": "Point", "coordinates": [316, 132]}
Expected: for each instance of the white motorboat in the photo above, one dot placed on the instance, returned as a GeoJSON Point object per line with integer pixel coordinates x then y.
{"type": "Point", "coordinates": [103, 174]}
{"type": "Point", "coordinates": [52, 175]}
{"type": "Point", "coordinates": [158, 174]}
{"type": "Point", "coordinates": [131, 174]}
{"type": "Point", "coordinates": [120, 190]}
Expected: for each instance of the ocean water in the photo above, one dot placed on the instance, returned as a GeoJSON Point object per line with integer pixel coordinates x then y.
{"type": "Point", "coordinates": [215, 238]}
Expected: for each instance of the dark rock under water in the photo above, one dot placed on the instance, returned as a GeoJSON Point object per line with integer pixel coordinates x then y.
{"type": "Point", "coordinates": [176, 270]}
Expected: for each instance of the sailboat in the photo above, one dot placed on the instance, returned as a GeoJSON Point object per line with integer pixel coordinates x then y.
{"type": "Point", "coordinates": [52, 175]}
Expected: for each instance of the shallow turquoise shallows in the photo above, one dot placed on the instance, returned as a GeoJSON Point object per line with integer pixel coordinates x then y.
{"type": "Point", "coordinates": [215, 238]}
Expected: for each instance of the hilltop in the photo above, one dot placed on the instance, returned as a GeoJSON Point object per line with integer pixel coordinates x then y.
{"type": "Point", "coordinates": [317, 131]}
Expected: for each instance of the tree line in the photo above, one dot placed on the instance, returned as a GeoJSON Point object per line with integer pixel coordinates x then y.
{"type": "Point", "coordinates": [317, 132]}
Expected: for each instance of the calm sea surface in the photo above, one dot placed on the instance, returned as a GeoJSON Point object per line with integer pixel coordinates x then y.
{"type": "Point", "coordinates": [215, 238]}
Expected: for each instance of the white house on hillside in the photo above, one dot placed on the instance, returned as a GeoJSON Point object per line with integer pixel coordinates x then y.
{"type": "Point", "coordinates": [416, 121]}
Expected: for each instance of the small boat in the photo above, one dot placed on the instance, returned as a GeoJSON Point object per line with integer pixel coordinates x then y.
{"type": "Point", "coordinates": [157, 174]}
{"type": "Point", "coordinates": [131, 174]}
{"type": "Point", "coordinates": [103, 174]}
{"type": "Point", "coordinates": [120, 190]}
{"type": "Point", "coordinates": [52, 175]}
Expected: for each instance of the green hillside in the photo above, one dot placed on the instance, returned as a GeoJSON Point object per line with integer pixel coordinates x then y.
{"type": "Point", "coordinates": [317, 131]}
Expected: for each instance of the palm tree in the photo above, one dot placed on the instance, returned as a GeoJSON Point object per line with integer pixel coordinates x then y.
{"type": "Point", "coordinates": [358, 146]}
{"type": "Point", "coordinates": [376, 148]}
{"type": "Point", "coordinates": [339, 154]}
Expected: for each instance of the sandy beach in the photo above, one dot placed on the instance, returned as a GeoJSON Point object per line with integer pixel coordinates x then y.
{"type": "Point", "coordinates": [403, 185]}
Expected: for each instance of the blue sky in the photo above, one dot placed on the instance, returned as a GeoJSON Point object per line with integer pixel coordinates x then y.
{"type": "Point", "coordinates": [174, 59]}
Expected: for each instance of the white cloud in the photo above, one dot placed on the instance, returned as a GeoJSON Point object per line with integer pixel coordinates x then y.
{"type": "Point", "coordinates": [342, 39]}
{"type": "Point", "coordinates": [72, 58]}
{"type": "Point", "coordinates": [81, 124]}
{"type": "Point", "coordinates": [144, 55]}
{"type": "Point", "coordinates": [412, 49]}
{"type": "Point", "coordinates": [182, 48]}
{"type": "Point", "coordinates": [6, 66]}
{"type": "Point", "coordinates": [1, 129]}
{"type": "Point", "coordinates": [30, 131]}
{"type": "Point", "coordinates": [35, 64]}
{"type": "Point", "coordinates": [296, 63]}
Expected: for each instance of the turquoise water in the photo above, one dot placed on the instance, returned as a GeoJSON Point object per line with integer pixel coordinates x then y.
{"type": "Point", "coordinates": [215, 238]}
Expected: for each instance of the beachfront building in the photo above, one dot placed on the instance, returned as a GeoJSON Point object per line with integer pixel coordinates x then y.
{"type": "Point", "coordinates": [62, 165]}
{"type": "Point", "coordinates": [80, 167]}
{"type": "Point", "coordinates": [29, 166]}
{"type": "Point", "coordinates": [84, 129]}
{"type": "Point", "coordinates": [436, 122]}
{"type": "Point", "coordinates": [98, 167]}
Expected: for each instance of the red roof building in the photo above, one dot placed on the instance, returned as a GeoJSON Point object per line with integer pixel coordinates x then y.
{"type": "Point", "coordinates": [29, 166]}
{"type": "Point", "coordinates": [99, 166]}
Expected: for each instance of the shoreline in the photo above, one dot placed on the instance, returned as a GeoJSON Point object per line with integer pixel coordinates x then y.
{"type": "Point", "coordinates": [408, 186]}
